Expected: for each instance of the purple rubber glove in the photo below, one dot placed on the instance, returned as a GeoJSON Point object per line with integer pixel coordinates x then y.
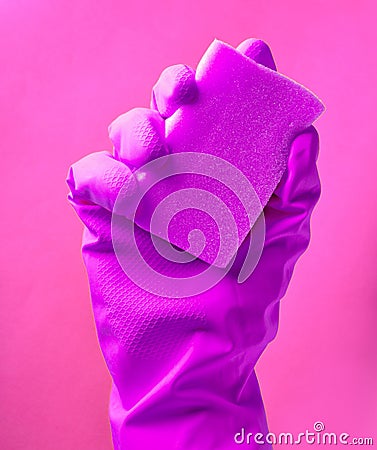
{"type": "Point", "coordinates": [183, 368]}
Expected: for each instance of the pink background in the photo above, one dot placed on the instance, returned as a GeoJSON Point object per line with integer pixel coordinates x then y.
{"type": "Point", "coordinates": [67, 69]}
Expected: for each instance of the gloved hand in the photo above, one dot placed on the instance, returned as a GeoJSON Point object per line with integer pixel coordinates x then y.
{"type": "Point", "coordinates": [183, 368]}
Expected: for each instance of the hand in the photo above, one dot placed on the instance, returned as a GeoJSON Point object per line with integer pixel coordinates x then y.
{"type": "Point", "coordinates": [183, 369]}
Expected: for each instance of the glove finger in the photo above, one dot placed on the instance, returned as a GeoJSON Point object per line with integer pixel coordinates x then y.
{"type": "Point", "coordinates": [175, 87]}
{"type": "Point", "coordinates": [258, 51]}
{"type": "Point", "coordinates": [289, 209]}
{"type": "Point", "coordinates": [96, 180]}
{"type": "Point", "coordinates": [138, 136]}
{"type": "Point", "coordinates": [300, 183]}
{"type": "Point", "coordinates": [287, 220]}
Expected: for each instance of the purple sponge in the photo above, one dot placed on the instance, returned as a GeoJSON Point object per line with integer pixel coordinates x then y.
{"type": "Point", "coordinates": [247, 115]}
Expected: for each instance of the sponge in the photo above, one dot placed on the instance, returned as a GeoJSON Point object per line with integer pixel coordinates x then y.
{"type": "Point", "coordinates": [246, 115]}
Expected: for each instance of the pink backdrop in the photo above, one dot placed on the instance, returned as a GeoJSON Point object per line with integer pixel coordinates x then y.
{"type": "Point", "coordinates": [67, 69]}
